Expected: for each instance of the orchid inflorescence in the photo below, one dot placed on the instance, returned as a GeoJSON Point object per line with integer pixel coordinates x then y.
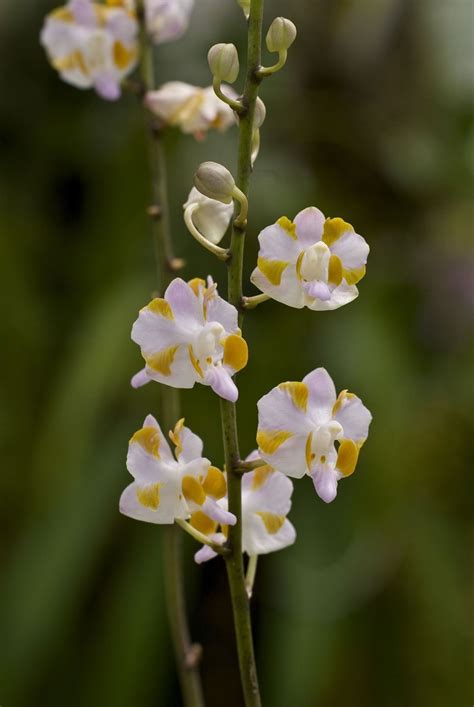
{"type": "Point", "coordinates": [192, 334]}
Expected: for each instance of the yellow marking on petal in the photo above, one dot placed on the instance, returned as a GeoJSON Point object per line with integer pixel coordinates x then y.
{"type": "Point", "coordinates": [341, 399]}
{"type": "Point", "coordinates": [225, 531]}
{"type": "Point", "coordinates": [354, 276]}
{"type": "Point", "coordinates": [161, 306]}
{"type": "Point", "coordinates": [288, 226]}
{"type": "Point", "coordinates": [192, 490]}
{"type": "Point", "coordinates": [260, 476]}
{"type": "Point", "coordinates": [334, 228]}
{"type": "Point", "coordinates": [149, 439]}
{"type": "Point", "coordinates": [335, 271]}
{"type": "Point", "coordinates": [71, 62]}
{"type": "Point", "coordinates": [195, 362]}
{"type": "Point", "coordinates": [175, 436]}
{"type": "Point", "coordinates": [123, 57]}
{"type": "Point", "coordinates": [236, 352]}
{"type": "Point", "coordinates": [195, 283]}
{"type": "Point", "coordinates": [62, 14]}
{"type": "Point", "coordinates": [149, 496]}
{"type": "Point", "coordinates": [203, 523]}
{"type": "Point", "coordinates": [272, 269]}
{"type": "Point", "coordinates": [270, 440]}
{"type": "Point", "coordinates": [347, 456]}
{"type": "Point", "coordinates": [272, 522]}
{"type": "Point", "coordinates": [308, 451]}
{"type": "Point", "coordinates": [299, 393]}
{"type": "Point", "coordinates": [215, 483]}
{"type": "Point", "coordinates": [187, 109]}
{"type": "Point", "coordinates": [162, 361]}
{"type": "Point", "coordinates": [299, 263]}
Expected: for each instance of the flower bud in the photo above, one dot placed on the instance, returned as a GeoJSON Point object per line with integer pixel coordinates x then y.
{"type": "Point", "coordinates": [245, 5]}
{"type": "Point", "coordinates": [260, 113]}
{"type": "Point", "coordinates": [281, 35]}
{"type": "Point", "coordinates": [215, 181]}
{"type": "Point", "coordinates": [224, 62]}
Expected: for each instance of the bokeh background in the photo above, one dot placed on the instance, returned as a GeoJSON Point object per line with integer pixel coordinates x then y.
{"type": "Point", "coordinates": [370, 120]}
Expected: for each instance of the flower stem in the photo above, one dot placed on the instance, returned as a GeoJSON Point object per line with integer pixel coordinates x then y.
{"type": "Point", "coordinates": [234, 561]}
{"type": "Point", "coordinates": [221, 253]}
{"type": "Point", "coordinates": [187, 654]}
{"type": "Point", "coordinates": [201, 538]}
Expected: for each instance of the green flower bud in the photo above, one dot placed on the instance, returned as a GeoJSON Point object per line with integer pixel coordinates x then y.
{"type": "Point", "coordinates": [224, 62]}
{"type": "Point", "coordinates": [215, 181]}
{"type": "Point", "coordinates": [245, 5]}
{"type": "Point", "coordinates": [281, 35]}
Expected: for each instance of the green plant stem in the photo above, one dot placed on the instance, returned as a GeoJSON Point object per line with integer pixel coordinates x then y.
{"type": "Point", "coordinates": [187, 654]}
{"type": "Point", "coordinates": [234, 561]}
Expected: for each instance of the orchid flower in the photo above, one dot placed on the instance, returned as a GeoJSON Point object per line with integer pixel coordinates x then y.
{"type": "Point", "coordinates": [92, 45]}
{"type": "Point", "coordinates": [169, 487]}
{"type": "Point", "coordinates": [211, 217]}
{"type": "Point", "coordinates": [193, 109]}
{"type": "Point", "coordinates": [266, 501]}
{"type": "Point", "coordinates": [167, 20]}
{"type": "Point", "coordinates": [299, 424]}
{"type": "Point", "coordinates": [190, 336]}
{"type": "Point", "coordinates": [312, 262]}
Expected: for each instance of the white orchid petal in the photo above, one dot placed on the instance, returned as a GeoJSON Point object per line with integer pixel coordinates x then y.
{"type": "Point", "coordinates": [221, 383]}
{"type": "Point", "coordinates": [318, 289]}
{"type": "Point", "coordinates": [193, 109]}
{"type": "Point", "coordinates": [211, 218]}
{"type": "Point", "coordinates": [191, 445]}
{"type": "Point", "coordinates": [140, 379]}
{"type": "Point", "coordinates": [207, 553]}
{"type": "Point", "coordinates": [166, 512]}
{"type": "Point", "coordinates": [256, 540]}
{"type": "Point", "coordinates": [354, 417]}
{"type": "Point", "coordinates": [221, 311]}
{"type": "Point", "coordinates": [288, 291]}
{"type": "Point", "coordinates": [212, 509]}
{"type": "Point", "coordinates": [309, 226]}
{"type": "Point", "coordinates": [322, 394]}
{"type": "Point", "coordinates": [276, 243]}
{"type": "Point", "coordinates": [187, 308]}
{"type": "Point", "coordinates": [277, 411]}
{"type": "Point", "coordinates": [340, 295]}
{"type": "Point", "coordinates": [272, 495]}
{"type": "Point", "coordinates": [352, 249]}
{"type": "Point", "coordinates": [167, 20]}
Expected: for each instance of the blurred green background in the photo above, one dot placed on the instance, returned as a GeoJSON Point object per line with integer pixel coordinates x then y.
{"type": "Point", "coordinates": [370, 120]}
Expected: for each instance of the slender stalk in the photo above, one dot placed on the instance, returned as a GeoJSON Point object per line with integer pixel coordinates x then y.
{"type": "Point", "coordinates": [201, 538]}
{"type": "Point", "coordinates": [187, 654]}
{"type": "Point", "coordinates": [234, 561]}
{"type": "Point", "coordinates": [221, 253]}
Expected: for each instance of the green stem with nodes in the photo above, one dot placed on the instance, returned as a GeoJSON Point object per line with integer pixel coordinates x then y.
{"type": "Point", "coordinates": [187, 654]}
{"type": "Point", "coordinates": [234, 561]}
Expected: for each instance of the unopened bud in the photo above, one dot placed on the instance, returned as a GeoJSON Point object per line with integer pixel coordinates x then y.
{"type": "Point", "coordinates": [260, 113]}
{"type": "Point", "coordinates": [281, 35]}
{"type": "Point", "coordinates": [245, 5]}
{"type": "Point", "coordinates": [215, 181]}
{"type": "Point", "coordinates": [224, 62]}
